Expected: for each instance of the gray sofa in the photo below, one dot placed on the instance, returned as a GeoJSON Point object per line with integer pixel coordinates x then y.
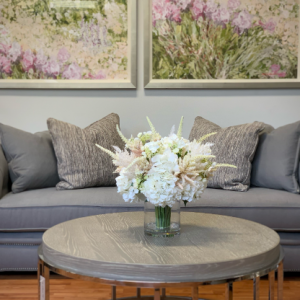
{"type": "Point", "coordinates": [25, 216]}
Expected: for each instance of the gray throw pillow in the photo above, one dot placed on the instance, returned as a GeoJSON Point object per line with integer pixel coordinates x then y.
{"type": "Point", "coordinates": [80, 163]}
{"type": "Point", "coordinates": [276, 163]}
{"type": "Point", "coordinates": [31, 159]}
{"type": "Point", "coordinates": [234, 145]}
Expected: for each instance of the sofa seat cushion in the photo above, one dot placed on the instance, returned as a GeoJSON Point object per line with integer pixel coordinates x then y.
{"type": "Point", "coordinates": [38, 210]}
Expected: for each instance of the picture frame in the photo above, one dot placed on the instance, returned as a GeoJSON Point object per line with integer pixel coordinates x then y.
{"type": "Point", "coordinates": [166, 83]}
{"type": "Point", "coordinates": [128, 62]}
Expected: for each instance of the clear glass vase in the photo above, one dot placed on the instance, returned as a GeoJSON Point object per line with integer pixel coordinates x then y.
{"type": "Point", "coordinates": [162, 221]}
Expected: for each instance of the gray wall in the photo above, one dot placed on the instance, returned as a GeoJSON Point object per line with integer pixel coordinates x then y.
{"type": "Point", "coordinates": [28, 110]}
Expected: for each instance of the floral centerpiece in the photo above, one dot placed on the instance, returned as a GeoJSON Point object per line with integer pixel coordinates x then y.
{"type": "Point", "coordinates": [163, 171]}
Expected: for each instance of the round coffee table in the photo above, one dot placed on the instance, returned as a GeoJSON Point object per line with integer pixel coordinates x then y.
{"type": "Point", "coordinates": [211, 249]}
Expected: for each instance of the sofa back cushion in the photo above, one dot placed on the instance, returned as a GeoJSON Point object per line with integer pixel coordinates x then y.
{"type": "Point", "coordinates": [234, 145]}
{"type": "Point", "coordinates": [80, 163]}
{"type": "Point", "coordinates": [31, 159]}
{"type": "Point", "coordinates": [276, 163]}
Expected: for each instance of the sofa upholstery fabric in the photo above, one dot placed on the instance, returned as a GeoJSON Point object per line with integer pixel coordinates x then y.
{"type": "Point", "coordinates": [235, 145]}
{"type": "Point", "coordinates": [276, 162]}
{"type": "Point", "coordinates": [31, 159]}
{"type": "Point", "coordinates": [38, 210]}
{"type": "Point", "coordinates": [80, 163]}
{"type": "Point", "coordinates": [3, 175]}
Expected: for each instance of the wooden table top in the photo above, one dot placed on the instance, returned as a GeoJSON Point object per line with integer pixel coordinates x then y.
{"type": "Point", "coordinates": [114, 247]}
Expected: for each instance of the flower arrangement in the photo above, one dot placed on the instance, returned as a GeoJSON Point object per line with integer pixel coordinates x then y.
{"type": "Point", "coordinates": [218, 39]}
{"type": "Point", "coordinates": [163, 169]}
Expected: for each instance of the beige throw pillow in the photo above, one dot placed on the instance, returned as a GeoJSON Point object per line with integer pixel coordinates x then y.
{"type": "Point", "coordinates": [80, 163]}
{"type": "Point", "coordinates": [234, 145]}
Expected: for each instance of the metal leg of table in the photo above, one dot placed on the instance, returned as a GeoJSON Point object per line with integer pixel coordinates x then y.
{"type": "Point", "coordinates": [280, 278]}
{"type": "Point", "coordinates": [39, 274]}
{"type": "Point", "coordinates": [271, 285]}
{"type": "Point", "coordinates": [46, 274]}
{"type": "Point", "coordinates": [157, 294]}
{"type": "Point", "coordinates": [229, 291]}
{"type": "Point", "coordinates": [256, 282]}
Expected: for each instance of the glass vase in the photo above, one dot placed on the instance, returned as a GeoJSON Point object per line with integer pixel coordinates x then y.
{"type": "Point", "coordinates": [162, 221]}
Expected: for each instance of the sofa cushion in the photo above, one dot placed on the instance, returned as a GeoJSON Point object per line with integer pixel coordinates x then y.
{"type": "Point", "coordinates": [233, 145]}
{"type": "Point", "coordinates": [31, 160]}
{"type": "Point", "coordinates": [80, 163]}
{"type": "Point", "coordinates": [38, 210]}
{"type": "Point", "coordinates": [276, 161]}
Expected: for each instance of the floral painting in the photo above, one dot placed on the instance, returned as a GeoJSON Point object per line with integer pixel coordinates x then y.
{"type": "Point", "coordinates": [64, 40]}
{"type": "Point", "coordinates": [225, 39]}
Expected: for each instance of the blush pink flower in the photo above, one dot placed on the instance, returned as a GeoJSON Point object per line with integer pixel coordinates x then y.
{"type": "Point", "coordinates": [73, 71]}
{"type": "Point", "coordinates": [276, 72]}
{"type": "Point", "coordinates": [233, 5]}
{"type": "Point", "coordinates": [221, 16]}
{"type": "Point", "coordinates": [270, 25]}
{"type": "Point", "coordinates": [63, 55]}
{"type": "Point", "coordinates": [99, 75]}
{"type": "Point", "coordinates": [275, 68]}
{"type": "Point", "coordinates": [173, 12]}
{"type": "Point", "coordinates": [5, 65]}
{"type": "Point", "coordinates": [14, 52]}
{"type": "Point", "coordinates": [41, 61]}
{"type": "Point", "coordinates": [197, 9]}
{"type": "Point", "coordinates": [183, 4]}
{"type": "Point", "coordinates": [210, 8]}
{"type": "Point", "coordinates": [52, 67]}
{"type": "Point", "coordinates": [242, 21]}
{"type": "Point", "coordinates": [165, 9]}
{"type": "Point", "coordinates": [28, 60]}
{"type": "Point", "coordinates": [4, 48]}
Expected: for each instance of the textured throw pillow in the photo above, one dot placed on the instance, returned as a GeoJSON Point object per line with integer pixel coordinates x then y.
{"type": "Point", "coordinates": [276, 162]}
{"type": "Point", "coordinates": [234, 145]}
{"type": "Point", "coordinates": [80, 163]}
{"type": "Point", "coordinates": [3, 174]}
{"type": "Point", "coordinates": [31, 159]}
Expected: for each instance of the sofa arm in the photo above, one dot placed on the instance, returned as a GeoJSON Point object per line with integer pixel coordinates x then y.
{"type": "Point", "coordinates": [4, 176]}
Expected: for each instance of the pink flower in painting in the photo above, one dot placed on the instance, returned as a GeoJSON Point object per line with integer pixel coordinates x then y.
{"type": "Point", "coordinates": [242, 21]}
{"type": "Point", "coordinates": [52, 68]}
{"type": "Point", "coordinates": [183, 4]}
{"type": "Point", "coordinates": [275, 68]}
{"type": "Point", "coordinates": [73, 71]}
{"type": "Point", "coordinates": [173, 12]}
{"type": "Point", "coordinates": [99, 75]}
{"type": "Point", "coordinates": [270, 25]}
{"type": "Point", "coordinates": [198, 9]}
{"type": "Point", "coordinates": [41, 61]}
{"type": "Point", "coordinates": [221, 16]}
{"type": "Point", "coordinates": [63, 55]}
{"type": "Point", "coordinates": [276, 72]}
{"type": "Point", "coordinates": [165, 9]}
{"type": "Point", "coordinates": [210, 7]}
{"type": "Point", "coordinates": [3, 31]}
{"type": "Point", "coordinates": [14, 52]}
{"type": "Point", "coordinates": [233, 4]}
{"type": "Point", "coordinates": [5, 65]}
{"type": "Point", "coordinates": [158, 10]}
{"type": "Point", "coordinates": [4, 48]}
{"type": "Point", "coordinates": [28, 60]}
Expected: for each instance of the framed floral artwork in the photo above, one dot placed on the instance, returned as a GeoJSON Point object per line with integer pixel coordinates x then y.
{"type": "Point", "coordinates": [221, 44]}
{"type": "Point", "coordinates": [68, 44]}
